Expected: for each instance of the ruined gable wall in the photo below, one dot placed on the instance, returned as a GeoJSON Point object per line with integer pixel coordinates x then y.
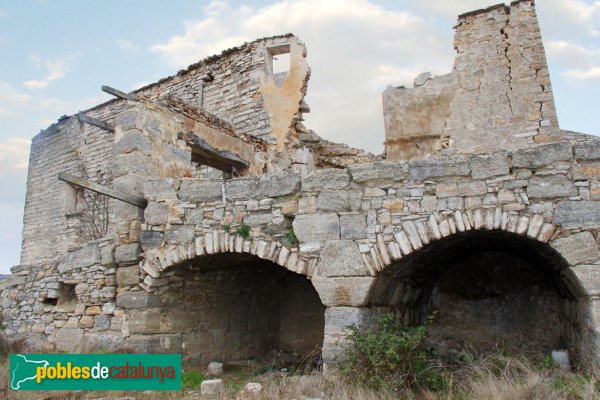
{"type": "Point", "coordinates": [83, 150]}
{"type": "Point", "coordinates": [498, 95]}
{"type": "Point", "coordinates": [243, 91]}
{"type": "Point", "coordinates": [505, 98]}
{"type": "Point", "coordinates": [67, 146]}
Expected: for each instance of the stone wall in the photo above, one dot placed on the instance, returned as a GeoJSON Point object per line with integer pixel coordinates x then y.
{"type": "Point", "coordinates": [304, 252]}
{"type": "Point", "coordinates": [498, 95]}
{"type": "Point", "coordinates": [352, 224]}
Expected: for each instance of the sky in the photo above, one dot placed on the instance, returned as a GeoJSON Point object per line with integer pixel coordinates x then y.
{"type": "Point", "coordinates": [55, 55]}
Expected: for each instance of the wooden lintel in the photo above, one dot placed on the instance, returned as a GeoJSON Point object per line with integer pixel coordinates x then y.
{"type": "Point", "coordinates": [118, 93]}
{"type": "Point", "coordinates": [115, 194]}
{"type": "Point", "coordinates": [86, 119]}
{"type": "Point", "coordinates": [222, 160]}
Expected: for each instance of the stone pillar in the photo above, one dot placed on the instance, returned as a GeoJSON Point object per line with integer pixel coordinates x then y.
{"type": "Point", "coordinates": [337, 321]}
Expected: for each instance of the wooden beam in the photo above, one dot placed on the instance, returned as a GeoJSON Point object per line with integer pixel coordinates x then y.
{"type": "Point", "coordinates": [115, 194]}
{"type": "Point", "coordinates": [222, 160]}
{"type": "Point", "coordinates": [118, 93]}
{"type": "Point", "coordinates": [86, 119]}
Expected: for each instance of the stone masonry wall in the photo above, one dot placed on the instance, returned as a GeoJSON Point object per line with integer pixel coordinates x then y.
{"type": "Point", "coordinates": [351, 224]}
{"type": "Point", "coordinates": [498, 95]}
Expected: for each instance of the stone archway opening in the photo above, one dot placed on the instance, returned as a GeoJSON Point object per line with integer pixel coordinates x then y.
{"type": "Point", "coordinates": [487, 291]}
{"type": "Point", "coordinates": [236, 307]}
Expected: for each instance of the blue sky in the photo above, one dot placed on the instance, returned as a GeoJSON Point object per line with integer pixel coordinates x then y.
{"type": "Point", "coordinates": [56, 54]}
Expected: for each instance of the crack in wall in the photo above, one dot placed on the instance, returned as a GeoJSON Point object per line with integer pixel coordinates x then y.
{"type": "Point", "coordinates": [510, 77]}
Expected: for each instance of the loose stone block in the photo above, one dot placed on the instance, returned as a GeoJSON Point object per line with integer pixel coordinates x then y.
{"type": "Point", "coordinates": [550, 186]}
{"type": "Point", "coordinates": [421, 170]}
{"type": "Point", "coordinates": [279, 184]}
{"type": "Point", "coordinates": [316, 227]}
{"type": "Point", "coordinates": [341, 258]}
{"type": "Point", "coordinates": [578, 248]}
{"type": "Point", "coordinates": [353, 226]}
{"type": "Point", "coordinates": [322, 179]}
{"type": "Point", "coordinates": [253, 387]}
{"type": "Point", "coordinates": [214, 369]}
{"type": "Point", "coordinates": [200, 190]}
{"type": "Point", "coordinates": [137, 300]}
{"type": "Point", "coordinates": [485, 166]}
{"type": "Point", "coordinates": [211, 387]}
{"type": "Point", "coordinates": [578, 214]}
{"type": "Point", "coordinates": [347, 291]}
{"type": "Point", "coordinates": [542, 155]}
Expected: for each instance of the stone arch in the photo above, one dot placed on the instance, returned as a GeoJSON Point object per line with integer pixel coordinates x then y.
{"type": "Point", "coordinates": [227, 298]}
{"type": "Point", "coordinates": [157, 262]}
{"type": "Point", "coordinates": [413, 234]}
{"type": "Point", "coordinates": [443, 254]}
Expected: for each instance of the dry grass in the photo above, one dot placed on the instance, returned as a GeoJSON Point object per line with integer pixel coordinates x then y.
{"type": "Point", "coordinates": [494, 377]}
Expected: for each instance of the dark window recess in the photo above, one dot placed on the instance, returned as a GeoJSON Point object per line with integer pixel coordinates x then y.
{"type": "Point", "coordinates": [63, 296]}
{"type": "Point", "coordinates": [75, 200]}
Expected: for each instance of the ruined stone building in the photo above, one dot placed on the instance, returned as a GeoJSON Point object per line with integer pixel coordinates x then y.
{"type": "Point", "coordinates": [231, 231]}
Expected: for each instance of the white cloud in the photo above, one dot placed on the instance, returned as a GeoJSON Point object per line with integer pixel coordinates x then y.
{"type": "Point", "coordinates": [576, 62]}
{"type": "Point", "coordinates": [583, 75]}
{"type": "Point", "coordinates": [55, 70]}
{"type": "Point", "coordinates": [571, 52]}
{"type": "Point", "coordinates": [127, 45]}
{"type": "Point", "coordinates": [355, 49]}
{"type": "Point", "coordinates": [14, 154]}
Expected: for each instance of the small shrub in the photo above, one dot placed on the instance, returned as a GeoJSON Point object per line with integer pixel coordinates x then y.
{"type": "Point", "coordinates": [243, 231]}
{"type": "Point", "coordinates": [291, 236]}
{"type": "Point", "coordinates": [390, 355]}
{"type": "Point", "coordinates": [227, 228]}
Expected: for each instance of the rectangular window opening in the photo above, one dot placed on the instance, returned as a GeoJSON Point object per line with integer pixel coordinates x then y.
{"type": "Point", "coordinates": [278, 59]}
{"type": "Point", "coordinates": [281, 63]}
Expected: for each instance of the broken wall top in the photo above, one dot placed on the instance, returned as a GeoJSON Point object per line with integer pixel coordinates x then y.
{"type": "Point", "coordinates": [498, 95]}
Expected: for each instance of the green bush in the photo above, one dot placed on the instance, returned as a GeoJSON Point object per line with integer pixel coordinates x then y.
{"type": "Point", "coordinates": [389, 355]}
{"type": "Point", "coordinates": [291, 236]}
{"type": "Point", "coordinates": [243, 230]}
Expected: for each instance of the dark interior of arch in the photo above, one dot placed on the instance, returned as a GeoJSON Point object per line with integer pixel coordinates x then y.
{"type": "Point", "coordinates": [486, 291]}
{"type": "Point", "coordinates": [238, 307]}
